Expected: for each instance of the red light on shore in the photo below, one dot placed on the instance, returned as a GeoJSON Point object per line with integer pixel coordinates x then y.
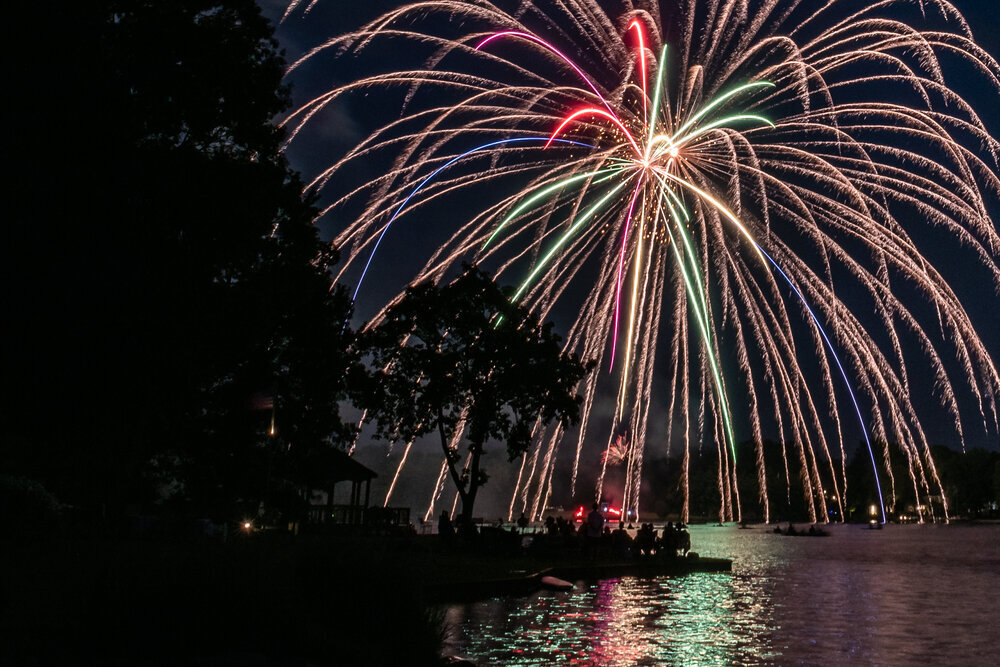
{"type": "Point", "coordinates": [606, 510]}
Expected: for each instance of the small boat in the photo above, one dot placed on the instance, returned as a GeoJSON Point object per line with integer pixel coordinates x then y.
{"type": "Point", "coordinates": [555, 584]}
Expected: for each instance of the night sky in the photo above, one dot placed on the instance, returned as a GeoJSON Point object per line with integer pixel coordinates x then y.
{"type": "Point", "coordinates": [345, 125]}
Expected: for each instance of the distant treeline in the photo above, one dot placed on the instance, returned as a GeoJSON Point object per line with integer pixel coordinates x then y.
{"type": "Point", "coordinates": [971, 481]}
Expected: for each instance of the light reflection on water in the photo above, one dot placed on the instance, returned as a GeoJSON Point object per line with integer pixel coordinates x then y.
{"type": "Point", "coordinates": [904, 595]}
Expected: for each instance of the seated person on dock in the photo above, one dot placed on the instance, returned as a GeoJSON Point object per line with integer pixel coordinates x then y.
{"type": "Point", "coordinates": [621, 541]}
{"type": "Point", "coordinates": [683, 539]}
{"type": "Point", "coordinates": [669, 540]}
{"type": "Point", "coordinates": [645, 540]}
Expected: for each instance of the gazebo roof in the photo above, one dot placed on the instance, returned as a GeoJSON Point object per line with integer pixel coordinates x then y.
{"type": "Point", "coordinates": [342, 468]}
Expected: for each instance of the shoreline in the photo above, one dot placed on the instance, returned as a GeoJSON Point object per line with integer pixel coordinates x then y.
{"type": "Point", "coordinates": [571, 570]}
{"type": "Point", "coordinates": [321, 599]}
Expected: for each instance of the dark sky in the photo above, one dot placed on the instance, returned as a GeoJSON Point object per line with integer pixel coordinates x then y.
{"type": "Point", "coordinates": [333, 17]}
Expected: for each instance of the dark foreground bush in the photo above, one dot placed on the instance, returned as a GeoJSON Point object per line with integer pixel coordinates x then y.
{"type": "Point", "coordinates": [27, 510]}
{"type": "Point", "coordinates": [375, 603]}
{"type": "Point", "coordinates": [249, 603]}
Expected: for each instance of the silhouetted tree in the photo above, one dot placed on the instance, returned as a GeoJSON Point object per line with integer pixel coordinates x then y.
{"type": "Point", "coordinates": [463, 357]}
{"type": "Point", "coordinates": [970, 480]}
{"type": "Point", "coordinates": [166, 261]}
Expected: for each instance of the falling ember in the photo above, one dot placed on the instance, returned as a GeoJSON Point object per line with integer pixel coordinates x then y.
{"type": "Point", "coordinates": [727, 201]}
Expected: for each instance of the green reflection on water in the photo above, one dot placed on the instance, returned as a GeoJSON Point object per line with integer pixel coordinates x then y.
{"type": "Point", "coordinates": [698, 619]}
{"type": "Point", "coordinates": [906, 595]}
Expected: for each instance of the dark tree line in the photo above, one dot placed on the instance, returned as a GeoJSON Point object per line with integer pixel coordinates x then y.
{"type": "Point", "coordinates": [169, 327]}
{"type": "Point", "coordinates": [161, 264]}
{"type": "Point", "coordinates": [971, 484]}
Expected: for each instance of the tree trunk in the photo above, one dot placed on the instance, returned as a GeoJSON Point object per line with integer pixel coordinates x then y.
{"type": "Point", "coordinates": [469, 499]}
{"type": "Point", "coordinates": [455, 476]}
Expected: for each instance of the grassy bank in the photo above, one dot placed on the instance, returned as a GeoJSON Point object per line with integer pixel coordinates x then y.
{"type": "Point", "coordinates": [315, 601]}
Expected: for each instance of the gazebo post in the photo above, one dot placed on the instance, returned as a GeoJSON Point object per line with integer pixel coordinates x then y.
{"type": "Point", "coordinates": [329, 503]}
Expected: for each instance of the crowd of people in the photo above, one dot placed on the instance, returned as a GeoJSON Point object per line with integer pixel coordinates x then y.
{"type": "Point", "coordinates": [675, 540]}
{"type": "Point", "coordinates": [593, 535]}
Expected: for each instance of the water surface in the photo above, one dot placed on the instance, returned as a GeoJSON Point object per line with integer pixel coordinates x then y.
{"type": "Point", "coordinates": [905, 595]}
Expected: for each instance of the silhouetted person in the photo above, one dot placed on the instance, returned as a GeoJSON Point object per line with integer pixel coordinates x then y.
{"type": "Point", "coordinates": [466, 529]}
{"type": "Point", "coordinates": [593, 528]}
{"type": "Point", "coordinates": [670, 539]}
{"type": "Point", "coordinates": [522, 521]}
{"type": "Point", "coordinates": [683, 540]}
{"type": "Point", "coordinates": [581, 535]}
{"type": "Point", "coordinates": [645, 539]}
{"type": "Point", "coordinates": [621, 542]}
{"type": "Point", "coordinates": [445, 529]}
{"type": "Point", "coordinates": [569, 534]}
{"type": "Point", "coordinates": [595, 523]}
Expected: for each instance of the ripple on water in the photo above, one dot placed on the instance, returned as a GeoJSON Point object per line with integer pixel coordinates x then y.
{"type": "Point", "coordinates": [904, 595]}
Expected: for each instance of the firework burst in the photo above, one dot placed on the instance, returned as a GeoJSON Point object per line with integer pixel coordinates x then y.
{"type": "Point", "coordinates": [747, 198]}
{"type": "Point", "coordinates": [616, 453]}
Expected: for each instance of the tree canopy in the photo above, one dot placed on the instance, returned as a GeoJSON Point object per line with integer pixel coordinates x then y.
{"type": "Point", "coordinates": [462, 360]}
{"type": "Point", "coordinates": [167, 264]}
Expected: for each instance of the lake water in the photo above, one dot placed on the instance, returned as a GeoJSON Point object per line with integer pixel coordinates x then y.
{"type": "Point", "coordinates": [905, 595]}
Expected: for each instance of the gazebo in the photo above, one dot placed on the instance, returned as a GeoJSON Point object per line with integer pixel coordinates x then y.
{"type": "Point", "coordinates": [338, 467]}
